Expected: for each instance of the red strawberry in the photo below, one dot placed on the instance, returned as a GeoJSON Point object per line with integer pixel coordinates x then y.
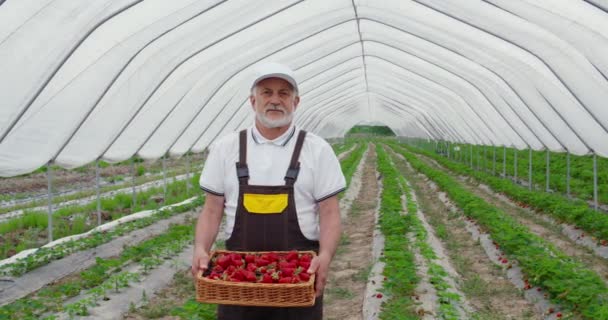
{"type": "Point", "coordinates": [249, 258]}
{"type": "Point", "coordinates": [251, 267]}
{"type": "Point", "coordinates": [250, 276]}
{"type": "Point", "coordinates": [267, 278]}
{"type": "Point", "coordinates": [304, 276]}
{"type": "Point", "coordinates": [224, 261]}
{"type": "Point", "coordinates": [559, 314]}
{"type": "Point", "coordinates": [287, 272]}
{"type": "Point", "coordinates": [306, 257]}
{"type": "Point", "coordinates": [304, 264]}
{"type": "Point", "coordinates": [379, 295]}
{"type": "Point", "coordinates": [291, 255]}
{"type": "Point", "coordinates": [285, 280]}
{"type": "Point", "coordinates": [262, 262]}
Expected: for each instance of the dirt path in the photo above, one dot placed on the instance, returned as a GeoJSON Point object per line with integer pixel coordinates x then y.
{"type": "Point", "coordinates": [487, 289]}
{"type": "Point", "coordinates": [544, 228]}
{"type": "Point", "coordinates": [350, 268]}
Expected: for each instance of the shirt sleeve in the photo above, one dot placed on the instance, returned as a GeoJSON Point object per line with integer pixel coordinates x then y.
{"type": "Point", "coordinates": [212, 177]}
{"type": "Point", "coordinates": [329, 179]}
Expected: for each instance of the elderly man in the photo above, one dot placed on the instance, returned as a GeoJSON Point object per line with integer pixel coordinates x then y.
{"type": "Point", "coordinates": [295, 172]}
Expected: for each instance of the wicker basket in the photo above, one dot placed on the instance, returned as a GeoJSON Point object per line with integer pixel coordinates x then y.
{"type": "Point", "coordinates": [255, 294]}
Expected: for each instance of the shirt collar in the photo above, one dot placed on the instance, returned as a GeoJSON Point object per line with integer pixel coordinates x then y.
{"type": "Point", "coordinates": [281, 140]}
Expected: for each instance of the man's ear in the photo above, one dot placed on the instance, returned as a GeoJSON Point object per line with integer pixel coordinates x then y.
{"type": "Point", "coordinates": [296, 101]}
{"type": "Point", "coordinates": [252, 101]}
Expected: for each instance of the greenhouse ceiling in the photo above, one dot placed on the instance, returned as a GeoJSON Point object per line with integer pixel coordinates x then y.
{"type": "Point", "coordinates": [109, 79]}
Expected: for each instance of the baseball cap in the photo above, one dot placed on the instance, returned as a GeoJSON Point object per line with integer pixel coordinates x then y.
{"type": "Point", "coordinates": [274, 70]}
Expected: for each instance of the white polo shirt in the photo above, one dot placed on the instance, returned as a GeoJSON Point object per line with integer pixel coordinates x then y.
{"type": "Point", "coordinates": [320, 174]}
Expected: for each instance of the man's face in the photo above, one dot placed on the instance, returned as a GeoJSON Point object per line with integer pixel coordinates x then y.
{"type": "Point", "coordinates": [274, 102]}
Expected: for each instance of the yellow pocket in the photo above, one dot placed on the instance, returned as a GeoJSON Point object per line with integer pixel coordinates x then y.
{"type": "Point", "coordinates": [265, 203]}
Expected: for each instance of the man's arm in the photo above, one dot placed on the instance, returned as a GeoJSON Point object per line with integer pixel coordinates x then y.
{"type": "Point", "coordinates": [206, 230]}
{"type": "Point", "coordinates": [329, 237]}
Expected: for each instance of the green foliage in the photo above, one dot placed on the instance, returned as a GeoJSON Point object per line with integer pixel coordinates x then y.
{"type": "Point", "coordinates": [370, 130]}
{"type": "Point", "coordinates": [575, 286]}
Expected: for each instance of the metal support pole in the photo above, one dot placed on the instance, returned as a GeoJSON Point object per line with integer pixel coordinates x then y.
{"type": "Point", "coordinates": [595, 204]}
{"type": "Point", "coordinates": [187, 173]}
{"type": "Point", "coordinates": [515, 165]}
{"type": "Point", "coordinates": [530, 170]}
{"type": "Point", "coordinates": [493, 160]}
{"type": "Point", "coordinates": [98, 192]}
{"type": "Point", "coordinates": [49, 176]}
{"type": "Point", "coordinates": [548, 173]}
{"type": "Point", "coordinates": [568, 174]}
{"type": "Point", "coordinates": [504, 162]}
{"type": "Point", "coordinates": [485, 160]}
{"type": "Point", "coordinates": [133, 184]}
{"type": "Point", "coordinates": [164, 178]}
{"type": "Point", "coordinates": [471, 156]}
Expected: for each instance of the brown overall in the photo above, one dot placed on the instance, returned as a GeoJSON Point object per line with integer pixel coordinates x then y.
{"type": "Point", "coordinates": [278, 231]}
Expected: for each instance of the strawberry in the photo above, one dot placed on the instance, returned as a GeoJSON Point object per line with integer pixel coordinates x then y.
{"type": "Point", "coordinates": [287, 272]}
{"type": "Point", "coordinates": [379, 295]}
{"type": "Point", "coordinates": [304, 264]}
{"type": "Point", "coordinates": [251, 267]}
{"type": "Point", "coordinates": [262, 262]}
{"type": "Point", "coordinates": [249, 258]}
{"type": "Point", "coordinates": [267, 278]}
{"type": "Point", "coordinates": [291, 255]}
{"type": "Point", "coordinates": [306, 257]}
{"type": "Point", "coordinates": [285, 280]}
{"type": "Point", "coordinates": [304, 276]}
{"type": "Point", "coordinates": [558, 315]}
{"type": "Point", "coordinates": [250, 276]}
{"type": "Point", "coordinates": [224, 261]}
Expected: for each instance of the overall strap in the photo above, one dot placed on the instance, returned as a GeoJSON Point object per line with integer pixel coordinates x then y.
{"type": "Point", "coordinates": [242, 171]}
{"type": "Point", "coordinates": [294, 165]}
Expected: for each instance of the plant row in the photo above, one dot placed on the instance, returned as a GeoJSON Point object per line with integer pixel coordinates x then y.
{"type": "Point", "coordinates": [567, 281]}
{"type": "Point", "coordinates": [141, 174]}
{"type": "Point", "coordinates": [350, 163]}
{"type": "Point", "coordinates": [581, 167]}
{"type": "Point", "coordinates": [45, 255]}
{"type": "Point", "coordinates": [105, 276]}
{"type": "Point", "coordinates": [400, 268]}
{"type": "Point", "coordinates": [448, 299]}
{"type": "Point", "coordinates": [26, 231]}
{"type": "Point", "coordinates": [575, 212]}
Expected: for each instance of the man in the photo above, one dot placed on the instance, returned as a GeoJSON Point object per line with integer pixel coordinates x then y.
{"type": "Point", "coordinates": [298, 178]}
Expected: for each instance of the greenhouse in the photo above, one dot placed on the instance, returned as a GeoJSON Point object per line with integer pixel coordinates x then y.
{"type": "Point", "coordinates": [469, 138]}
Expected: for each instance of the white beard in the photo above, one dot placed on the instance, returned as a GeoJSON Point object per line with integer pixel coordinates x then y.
{"type": "Point", "coordinates": [274, 123]}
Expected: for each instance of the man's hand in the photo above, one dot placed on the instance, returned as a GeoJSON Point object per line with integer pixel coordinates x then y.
{"type": "Point", "coordinates": [200, 261]}
{"type": "Point", "coordinates": [320, 266]}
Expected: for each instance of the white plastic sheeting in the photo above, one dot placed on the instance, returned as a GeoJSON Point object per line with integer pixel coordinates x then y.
{"type": "Point", "coordinates": [113, 78]}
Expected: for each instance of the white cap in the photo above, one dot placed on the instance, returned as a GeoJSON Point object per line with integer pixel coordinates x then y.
{"type": "Point", "coordinates": [274, 70]}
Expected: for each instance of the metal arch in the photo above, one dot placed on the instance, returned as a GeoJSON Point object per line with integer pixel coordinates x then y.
{"type": "Point", "coordinates": [600, 6]}
{"type": "Point", "coordinates": [339, 97]}
{"type": "Point", "coordinates": [484, 95]}
{"type": "Point", "coordinates": [128, 62]}
{"type": "Point", "coordinates": [181, 63]}
{"type": "Point", "coordinates": [263, 57]}
{"type": "Point", "coordinates": [26, 21]}
{"type": "Point", "coordinates": [306, 112]}
{"type": "Point", "coordinates": [430, 80]}
{"type": "Point", "coordinates": [362, 48]}
{"type": "Point", "coordinates": [482, 66]}
{"type": "Point", "coordinates": [523, 48]}
{"type": "Point", "coordinates": [344, 104]}
{"type": "Point", "coordinates": [418, 110]}
{"type": "Point", "coordinates": [424, 93]}
{"type": "Point", "coordinates": [244, 100]}
{"type": "Point", "coordinates": [466, 81]}
{"type": "Point", "coordinates": [432, 132]}
{"type": "Point", "coordinates": [337, 105]}
{"type": "Point", "coordinates": [447, 129]}
{"type": "Point", "coordinates": [52, 74]}
{"type": "Point", "coordinates": [415, 120]}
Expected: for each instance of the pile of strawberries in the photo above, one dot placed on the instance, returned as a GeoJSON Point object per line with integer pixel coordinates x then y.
{"type": "Point", "coordinates": [271, 267]}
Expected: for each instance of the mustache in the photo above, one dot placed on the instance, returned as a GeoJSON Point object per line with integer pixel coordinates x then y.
{"type": "Point", "coordinates": [275, 107]}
